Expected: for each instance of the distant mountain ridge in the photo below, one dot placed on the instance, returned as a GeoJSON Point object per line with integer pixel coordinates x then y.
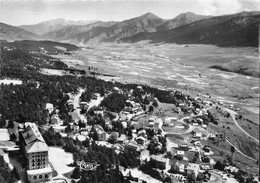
{"type": "Point", "coordinates": [70, 31]}
{"type": "Point", "coordinates": [104, 33]}
{"type": "Point", "coordinates": [239, 29]}
{"type": "Point", "coordinates": [180, 20]}
{"type": "Point", "coordinates": [11, 33]}
{"type": "Point", "coordinates": [52, 25]}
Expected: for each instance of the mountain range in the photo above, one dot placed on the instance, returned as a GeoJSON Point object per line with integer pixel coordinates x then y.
{"type": "Point", "coordinates": [53, 25]}
{"type": "Point", "coordinates": [239, 29]}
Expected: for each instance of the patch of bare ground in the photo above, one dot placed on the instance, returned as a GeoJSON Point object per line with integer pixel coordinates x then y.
{"type": "Point", "coordinates": [249, 122]}
{"type": "Point", "coordinates": [222, 150]}
{"type": "Point", "coordinates": [243, 143]}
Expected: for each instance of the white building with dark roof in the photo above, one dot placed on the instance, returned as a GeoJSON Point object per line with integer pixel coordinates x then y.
{"type": "Point", "coordinates": [35, 150]}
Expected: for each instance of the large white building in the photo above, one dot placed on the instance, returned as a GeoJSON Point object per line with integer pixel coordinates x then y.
{"type": "Point", "coordinates": [35, 150]}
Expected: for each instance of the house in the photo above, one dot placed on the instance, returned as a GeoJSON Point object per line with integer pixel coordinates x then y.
{"type": "Point", "coordinates": [206, 166]}
{"type": "Point", "coordinates": [176, 177]}
{"type": "Point", "coordinates": [121, 139]}
{"type": "Point", "coordinates": [140, 140]}
{"type": "Point", "coordinates": [199, 120]}
{"type": "Point", "coordinates": [79, 137]}
{"type": "Point", "coordinates": [124, 124]}
{"type": "Point", "coordinates": [193, 169]}
{"type": "Point", "coordinates": [59, 128]}
{"type": "Point", "coordinates": [198, 135]}
{"type": "Point", "coordinates": [100, 132]}
{"type": "Point", "coordinates": [140, 88]}
{"type": "Point", "coordinates": [83, 105]}
{"type": "Point", "coordinates": [204, 126]}
{"type": "Point", "coordinates": [49, 107]}
{"type": "Point", "coordinates": [184, 146]}
{"type": "Point", "coordinates": [231, 169]}
{"type": "Point", "coordinates": [206, 148]}
{"type": "Point", "coordinates": [161, 161]}
{"type": "Point", "coordinates": [179, 166]}
{"type": "Point", "coordinates": [35, 151]}
{"type": "Point", "coordinates": [155, 139]}
{"type": "Point", "coordinates": [55, 119]}
{"type": "Point", "coordinates": [180, 154]}
{"type": "Point", "coordinates": [113, 137]}
{"type": "Point", "coordinates": [169, 120]}
{"type": "Point", "coordinates": [70, 105]}
{"type": "Point", "coordinates": [133, 146]}
{"type": "Point", "coordinates": [211, 136]}
{"type": "Point", "coordinates": [116, 90]}
{"type": "Point", "coordinates": [195, 124]}
{"type": "Point", "coordinates": [5, 136]}
{"type": "Point", "coordinates": [141, 133]}
{"type": "Point", "coordinates": [157, 124]}
{"type": "Point", "coordinates": [94, 96]}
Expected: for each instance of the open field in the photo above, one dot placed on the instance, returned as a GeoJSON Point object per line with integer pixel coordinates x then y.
{"type": "Point", "coordinates": [177, 66]}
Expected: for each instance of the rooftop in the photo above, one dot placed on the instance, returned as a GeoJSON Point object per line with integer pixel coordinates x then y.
{"type": "Point", "coordinates": [5, 136]}
{"type": "Point", "coordinates": [33, 139]}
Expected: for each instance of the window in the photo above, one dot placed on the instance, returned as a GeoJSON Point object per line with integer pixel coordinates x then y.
{"type": "Point", "coordinates": [40, 177]}
{"type": "Point", "coordinates": [34, 177]}
{"type": "Point", "coordinates": [46, 176]}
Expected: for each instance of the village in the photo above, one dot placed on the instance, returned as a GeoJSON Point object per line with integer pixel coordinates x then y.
{"type": "Point", "coordinates": [171, 141]}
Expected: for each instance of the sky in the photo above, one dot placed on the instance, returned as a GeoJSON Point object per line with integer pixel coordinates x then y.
{"type": "Point", "coordinates": [21, 12]}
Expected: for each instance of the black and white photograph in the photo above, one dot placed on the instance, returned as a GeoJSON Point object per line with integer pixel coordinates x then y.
{"type": "Point", "coordinates": [129, 91]}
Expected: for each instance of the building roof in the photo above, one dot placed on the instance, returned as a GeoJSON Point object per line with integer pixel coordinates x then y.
{"type": "Point", "coordinates": [5, 136]}
{"type": "Point", "coordinates": [193, 166]}
{"type": "Point", "coordinates": [49, 106]}
{"type": "Point", "coordinates": [158, 158]}
{"type": "Point", "coordinates": [140, 138]}
{"type": "Point", "coordinates": [180, 152]}
{"type": "Point", "coordinates": [33, 139]}
{"type": "Point", "coordinates": [99, 129]}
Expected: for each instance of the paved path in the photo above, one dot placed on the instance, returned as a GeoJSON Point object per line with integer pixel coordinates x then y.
{"type": "Point", "coordinates": [76, 101]}
{"type": "Point", "coordinates": [233, 116]}
{"type": "Point", "coordinates": [240, 151]}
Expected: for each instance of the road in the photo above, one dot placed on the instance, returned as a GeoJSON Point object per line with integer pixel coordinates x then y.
{"type": "Point", "coordinates": [240, 151]}
{"type": "Point", "coordinates": [76, 101]}
{"type": "Point", "coordinates": [233, 116]}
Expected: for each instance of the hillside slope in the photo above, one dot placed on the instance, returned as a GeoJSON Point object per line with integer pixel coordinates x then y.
{"type": "Point", "coordinates": [230, 30]}
{"type": "Point", "coordinates": [180, 20]}
{"type": "Point", "coordinates": [11, 33]}
{"type": "Point", "coordinates": [52, 25]}
{"type": "Point", "coordinates": [65, 34]}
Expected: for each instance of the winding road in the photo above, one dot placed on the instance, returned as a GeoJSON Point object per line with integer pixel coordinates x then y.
{"type": "Point", "coordinates": [233, 116]}
{"type": "Point", "coordinates": [239, 150]}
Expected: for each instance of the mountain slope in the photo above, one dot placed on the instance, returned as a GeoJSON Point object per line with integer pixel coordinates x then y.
{"type": "Point", "coordinates": [11, 33]}
{"type": "Point", "coordinates": [145, 23]}
{"type": "Point", "coordinates": [70, 31]}
{"type": "Point", "coordinates": [180, 20]}
{"type": "Point", "coordinates": [230, 30]}
{"type": "Point", "coordinates": [52, 25]}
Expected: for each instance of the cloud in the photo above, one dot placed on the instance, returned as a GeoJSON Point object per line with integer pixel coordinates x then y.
{"type": "Point", "coordinates": [220, 7]}
{"type": "Point", "coordinates": [256, 4]}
